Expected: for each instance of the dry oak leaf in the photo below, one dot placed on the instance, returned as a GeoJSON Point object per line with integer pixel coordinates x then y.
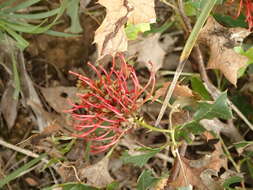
{"type": "Point", "coordinates": [194, 170]}
{"type": "Point", "coordinates": [143, 47]}
{"type": "Point", "coordinates": [221, 41]}
{"type": "Point", "coordinates": [97, 175]}
{"type": "Point", "coordinates": [110, 37]}
{"type": "Point", "coordinates": [180, 91]}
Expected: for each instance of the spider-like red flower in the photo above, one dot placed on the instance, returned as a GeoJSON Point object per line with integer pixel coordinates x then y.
{"type": "Point", "coordinates": [248, 6]}
{"type": "Point", "coordinates": [107, 104]}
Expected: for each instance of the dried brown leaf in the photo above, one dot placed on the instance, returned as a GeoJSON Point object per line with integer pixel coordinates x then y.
{"type": "Point", "coordinates": [110, 37]}
{"type": "Point", "coordinates": [194, 171]}
{"type": "Point", "coordinates": [221, 41]}
{"type": "Point", "coordinates": [8, 106]}
{"type": "Point", "coordinates": [180, 91]}
{"type": "Point", "coordinates": [97, 175]}
{"type": "Point", "coordinates": [57, 97]}
{"type": "Point", "coordinates": [144, 47]}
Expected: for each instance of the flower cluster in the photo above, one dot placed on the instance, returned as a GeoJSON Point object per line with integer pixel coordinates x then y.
{"type": "Point", "coordinates": [248, 6]}
{"type": "Point", "coordinates": [108, 103]}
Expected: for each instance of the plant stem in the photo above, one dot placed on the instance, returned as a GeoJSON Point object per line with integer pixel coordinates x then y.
{"type": "Point", "coordinates": [152, 128]}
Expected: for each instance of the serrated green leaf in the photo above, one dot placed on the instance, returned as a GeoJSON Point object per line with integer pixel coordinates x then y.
{"type": "Point", "coordinates": [139, 160]}
{"type": "Point", "coordinates": [230, 181]}
{"type": "Point", "coordinates": [218, 109]}
{"type": "Point", "coordinates": [73, 12]}
{"type": "Point", "coordinates": [197, 86]}
{"type": "Point", "coordinates": [146, 180]}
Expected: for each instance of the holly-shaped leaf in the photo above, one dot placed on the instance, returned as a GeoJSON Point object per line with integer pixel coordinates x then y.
{"type": "Point", "coordinates": [141, 159]}
{"type": "Point", "coordinates": [218, 109]}
{"type": "Point", "coordinates": [146, 180]}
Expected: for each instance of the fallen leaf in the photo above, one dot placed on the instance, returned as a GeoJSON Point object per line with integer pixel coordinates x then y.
{"type": "Point", "coordinates": [221, 41]}
{"type": "Point", "coordinates": [143, 50]}
{"type": "Point", "coordinates": [180, 91]}
{"type": "Point", "coordinates": [143, 11]}
{"type": "Point", "coordinates": [110, 37]}
{"type": "Point", "coordinates": [8, 106]}
{"type": "Point", "coordinates": [199, 172]}
{"type": "Point", "coordinates": [97, 175]}
{"type": "Point", "coordinates": [57, 97]}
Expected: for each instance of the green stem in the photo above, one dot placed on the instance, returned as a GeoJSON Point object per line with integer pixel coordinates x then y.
{"type": "Point", "coordinates": [145, 125]}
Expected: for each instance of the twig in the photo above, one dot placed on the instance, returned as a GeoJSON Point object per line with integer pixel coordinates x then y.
{"type": "Point", "coordinates": [21, 150]}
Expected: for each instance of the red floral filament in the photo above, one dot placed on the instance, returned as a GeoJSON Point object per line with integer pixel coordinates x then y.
{"type": "Point", "coordinates": [107, 104]}
{"type": "Point", "coordinates": [248, 5]}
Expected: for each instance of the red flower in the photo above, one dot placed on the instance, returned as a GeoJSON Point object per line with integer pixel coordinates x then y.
{"type": "Point", "coordinates": [248, 5]}
{"type": "Point", "coordinates": [107, 104]}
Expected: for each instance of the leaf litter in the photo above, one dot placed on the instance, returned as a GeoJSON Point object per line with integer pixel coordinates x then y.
{"type": "Point", "coordinates": [99, 171]}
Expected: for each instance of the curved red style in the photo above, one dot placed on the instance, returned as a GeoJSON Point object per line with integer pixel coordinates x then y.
{"type": "Point", "coordinates": [107, 104]}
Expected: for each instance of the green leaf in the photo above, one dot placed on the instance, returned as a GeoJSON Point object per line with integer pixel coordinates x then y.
{"type": "Point", "coordinates": [73, 12]}
{"type": "Point", "coordinates": [146, 180]}
{"type": "Point", "coordinates": [230, 181]}
{"type": "Point", "coordinates": [243, 104]}
{"type": "Point", "coordinates": [31, 16]}
{"type": "Point", "coordinates": [230, 21]}
{"type": "Point", "coordinates": [21, 42]}
{"type": "Point", "coordinates": [71, 186]}
{"type": "Point", "coordinates": [112, 186]}
{"type": "Point", "coordinates": [20, 171]}
{"type": "Point", "coordinates": [218, 109]}
{"type": "Point", "coordinates": [197, 86]}
{"type": "Point", "coordinates": [189, 9]}
{"type": "Point", "coordinates": [160, 29]}
{"type": "Point", "coordinates": [139, 160]}
{"type": "Point", "coordinates": [132, 30]}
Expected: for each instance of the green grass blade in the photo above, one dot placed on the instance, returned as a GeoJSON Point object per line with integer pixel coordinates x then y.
{"type": "Point", "coordinates": [190, 43]}
{"type": "Point", "coordinates": [27, 28]}
{"type": "Point", "coordinates": [23, 5]}
{"type": "Point", "coordinates": [21, 42]}
{"type": "Point", "coordinates": [31, 16]}
{"type": "Point", "coordinates": [73, 12]}
{"type": "Point", "coordinates": [60, 34]}
{"type": "Point", "coordinates": [17, 173]}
